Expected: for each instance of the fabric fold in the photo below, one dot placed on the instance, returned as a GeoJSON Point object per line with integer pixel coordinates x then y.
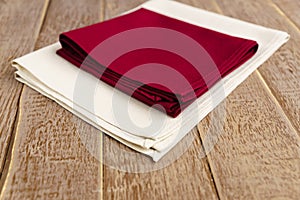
{"type": "Point", "coordinates": [179, 61]}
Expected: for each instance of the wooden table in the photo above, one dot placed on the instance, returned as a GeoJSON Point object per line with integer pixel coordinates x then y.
{"type": "Point", "coordinates": [256, 157]}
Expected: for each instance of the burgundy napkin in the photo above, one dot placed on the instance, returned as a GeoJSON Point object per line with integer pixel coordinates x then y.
{"type": "Point", "coordinates": [161, 61]}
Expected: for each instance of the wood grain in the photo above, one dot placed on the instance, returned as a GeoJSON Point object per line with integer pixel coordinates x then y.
{"type": "Point", "coordinates": [20, 23]}
{"type": "Point", "coordinates": [49, 160]}
{"type": "Point", "coordinates": [281, 72]}
{"type": "Point", "coordinates": [290, 8]}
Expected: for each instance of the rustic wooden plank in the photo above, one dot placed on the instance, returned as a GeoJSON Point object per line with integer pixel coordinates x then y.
{"type": "Point", "coordinates": [290, 8]}
{"type": "Point", "coordinates": [282, 71]}
{"type": "Point", "coordinates": [188, 177]}
{"type": "Point", "coordinates": [49, 159]}
{"type": "Point", "coordinates": [20, 23]}
{"type": "Point", "coordinates": [257, 154]}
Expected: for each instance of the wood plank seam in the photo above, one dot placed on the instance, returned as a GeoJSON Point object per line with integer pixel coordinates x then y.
{"type": "Point", "coordinates": [215, 4]}
{"type": "Point", "coordinates": [208, 164]}
{"type": "Point", "coordinates": [4, 172]}
{"type": "Point", "coordinates": [290, 21]}
{"type": "Point", "coordinates": [281, 12]}
{"type": "Point", "coordinates": [6, 164]}
{"type": "Point", "coordinates": [275, 100]}
{"type": "Point", "coordinates": [209, 161]}
{"type": "Point", "coordinates": [42, 20]}
{"type": "Point", "coordinates": [102, 10]}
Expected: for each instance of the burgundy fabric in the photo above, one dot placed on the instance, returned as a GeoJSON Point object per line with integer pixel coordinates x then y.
{"type": "Point", "coordinates": [161, 75]}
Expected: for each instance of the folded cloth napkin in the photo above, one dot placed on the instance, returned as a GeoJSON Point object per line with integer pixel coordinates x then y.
{"type": "Point", "coordinates": [149, 37]}
{"type": "Point", "coordinates": [129, 120]}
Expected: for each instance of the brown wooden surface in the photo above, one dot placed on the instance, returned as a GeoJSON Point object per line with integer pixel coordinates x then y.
{"type": "Point", "coordinates": [258, 151]}
{"type": "Point", "coordinates": [15, 41]}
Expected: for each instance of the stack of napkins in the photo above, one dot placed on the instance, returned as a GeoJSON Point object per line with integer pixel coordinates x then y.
{"type": "Point", "coordinates": [147, 77]}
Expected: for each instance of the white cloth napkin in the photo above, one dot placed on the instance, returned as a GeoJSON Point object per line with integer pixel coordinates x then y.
{"type": "Point", "coordinates": [125, 119]}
